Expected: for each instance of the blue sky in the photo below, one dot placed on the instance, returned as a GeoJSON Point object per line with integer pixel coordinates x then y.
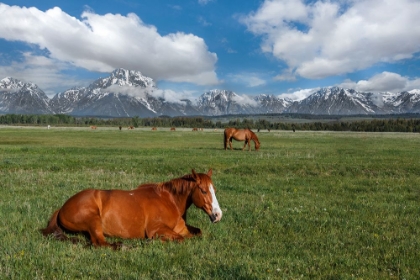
{"type": "Point", "coordinates": [280, 47]}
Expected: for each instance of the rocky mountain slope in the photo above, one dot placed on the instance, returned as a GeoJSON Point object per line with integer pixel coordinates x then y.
{"type": "Point", "coordinates": [126, 93]}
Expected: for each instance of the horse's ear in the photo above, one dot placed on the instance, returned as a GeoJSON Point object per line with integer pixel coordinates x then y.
{"type": "Point", "coordinates": [195, 176]}
{"type": "Point", "coordinates": [210, 172]}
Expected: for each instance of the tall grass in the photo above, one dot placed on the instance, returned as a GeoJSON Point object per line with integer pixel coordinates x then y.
{"type": "Point", "coordinates": [307, 205]}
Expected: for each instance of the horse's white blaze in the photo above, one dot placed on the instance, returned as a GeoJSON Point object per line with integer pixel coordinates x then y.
{"type": "Point", "coordinates": [215, 205]}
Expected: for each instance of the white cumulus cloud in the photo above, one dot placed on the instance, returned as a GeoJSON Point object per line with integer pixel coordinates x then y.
{"type": "Point", "coordinates": [105, 42]}
{"type": "Point", "coordinates": [248, 79]}
{"type": "Point", "coordinates": [318, 39]}
{"type": "Point", "coordinates": [383, 82]}
{"type": "Point", "coordinates": [245, 100]}
{"type": "Point", "coordinates": [140, 92]}
{"type": "Point", "coordinates": [298, 95]}
{"type": "Point", "coordinates": [43, 71]}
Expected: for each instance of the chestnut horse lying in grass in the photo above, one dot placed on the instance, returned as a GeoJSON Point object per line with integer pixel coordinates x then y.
{"type": "Point", "coordinates": [154, 210]}
{"type": "Point", "coordinates": [241, 135]}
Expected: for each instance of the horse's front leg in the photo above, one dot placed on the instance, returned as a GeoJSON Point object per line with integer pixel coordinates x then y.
{"type": "Point", "coordinates": [165, 233]}
{"type": "Point", "coordinates": [185, 230]}
{"type": "Point", "coordinates": [193, 230]}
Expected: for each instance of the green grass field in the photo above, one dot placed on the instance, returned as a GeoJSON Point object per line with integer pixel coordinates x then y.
{"type": "Point", "coordinates": [317, 205]}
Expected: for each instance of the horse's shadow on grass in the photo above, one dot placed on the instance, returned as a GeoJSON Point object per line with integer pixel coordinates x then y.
{"type": "Point", "coordinates": [222, 149]}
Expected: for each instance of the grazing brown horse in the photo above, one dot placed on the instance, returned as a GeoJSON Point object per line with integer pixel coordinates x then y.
{"type": "Point", "coordinates": [154, 128]}
{"type": "Point", "coordinates": [154, 210]}
{"type": "Point", "coordinates": [130, 127]}
{"type": "Point", "coordinates": [195, 129]}
{"type": "Point", "coordinates": [241, 135]}
{"type": "Point", "coordinates": [173, 129]}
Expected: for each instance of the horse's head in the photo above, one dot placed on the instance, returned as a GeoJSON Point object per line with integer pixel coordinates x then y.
{"type": "Point", "coordinates": [257, 145]}
{"type": "Point", "coordinates": [256, 141]}
{"type": "Point", "coordinates": [204, 196]}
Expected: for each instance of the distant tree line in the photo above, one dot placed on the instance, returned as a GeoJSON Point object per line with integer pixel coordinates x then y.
{"type": "Point", "coordinates": [67, 120]}
{"type": "Point", "coordinates": [373, 125]}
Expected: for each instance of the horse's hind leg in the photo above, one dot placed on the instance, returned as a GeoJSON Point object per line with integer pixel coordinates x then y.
{"type": "Point", "coordinates": [54, 229]}
{"type": "Point", "coordinates": [97, 236]}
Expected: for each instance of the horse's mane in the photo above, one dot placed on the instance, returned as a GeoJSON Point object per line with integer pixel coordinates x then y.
{"type": "Point", "coordinates": [180, 185]}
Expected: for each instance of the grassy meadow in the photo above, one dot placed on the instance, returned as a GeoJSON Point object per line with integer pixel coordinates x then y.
{"type": "Point", "coordinates": [320, 205]}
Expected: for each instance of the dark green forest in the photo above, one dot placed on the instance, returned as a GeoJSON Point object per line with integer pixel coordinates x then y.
{"type": "Point", "coordinates": [392, 123]}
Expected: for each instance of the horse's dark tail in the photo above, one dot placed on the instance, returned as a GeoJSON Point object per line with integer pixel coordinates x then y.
{"type": "Point", "coordinates": [53, 228]}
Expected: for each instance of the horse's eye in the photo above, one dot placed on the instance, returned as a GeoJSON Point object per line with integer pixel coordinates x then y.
{"type": "Point", "coordinates": [203, 191]}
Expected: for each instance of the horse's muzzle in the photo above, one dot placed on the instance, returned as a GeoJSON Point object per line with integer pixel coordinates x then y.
{"type": "Point", "coordinates": [216, 216]}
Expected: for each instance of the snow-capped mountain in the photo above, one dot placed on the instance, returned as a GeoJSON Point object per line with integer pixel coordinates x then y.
{"type": "Point", "coordinates": [222, 102]}
{"type": "Point", "coordinates": [272, 104]}
{"type": "Point", "coordinates": [333, 101]}
{"type": "Point", "coordinates": [66, 101]}
{"type": "Point", "coordinates": [339, 101]}
{"type": "Point", "coordinates": [122, 94]}
{"type": "Point", "coordinates": [17, 97]}
{"type": "Point", "coordinates": [406, 101]}
{"type": "Point", "coordinates": [126, 93]}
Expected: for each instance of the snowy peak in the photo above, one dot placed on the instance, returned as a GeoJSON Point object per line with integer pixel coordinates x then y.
{"type": "Point", "coordinates": [224, 102]}
{"type": "Point", "coordinates": [216, 96]}
{"type": "Point", "coordinates": [15, 84]}
{"type": "Point", "coordinates": [219, 102]}
{"type": "Point", "coordinates": [123, 93]}
{"type": "Point", "coordinates": [122, 77]}
{"type": "Point", "coordinates": [414, 91]}
{"type": "Point", "coordinates": [10, 83]}
{"type": "Point", "coordinates": [18, 97]}
{"type": "Point", "coordinates": [65, 102]}
{"type": "Point", "coordinates": [271, 100]}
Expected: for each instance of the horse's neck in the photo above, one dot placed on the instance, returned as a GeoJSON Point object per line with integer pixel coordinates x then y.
{"type": "Point", "coordinates": [181, 194]}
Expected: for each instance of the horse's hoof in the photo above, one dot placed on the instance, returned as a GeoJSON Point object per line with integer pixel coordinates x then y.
{"type": "Point", "coordinates": [195, 231]}
{"type": "Point", "coordinates": [117, 245]}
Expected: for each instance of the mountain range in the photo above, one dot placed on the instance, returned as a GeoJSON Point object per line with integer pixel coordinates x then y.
{"type": "Point", "coordinates": [126, 93]}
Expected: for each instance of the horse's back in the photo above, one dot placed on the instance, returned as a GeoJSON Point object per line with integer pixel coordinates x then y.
{"type": "Point", "coordinates": [237, 134]}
